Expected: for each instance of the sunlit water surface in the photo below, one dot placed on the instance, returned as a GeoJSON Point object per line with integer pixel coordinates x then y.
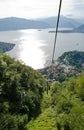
{"type": "Point", "coordinates": [34, 47]}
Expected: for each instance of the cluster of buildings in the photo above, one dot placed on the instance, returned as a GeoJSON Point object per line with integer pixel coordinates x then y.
{"type": "Point", "coordinates": [60, 71]}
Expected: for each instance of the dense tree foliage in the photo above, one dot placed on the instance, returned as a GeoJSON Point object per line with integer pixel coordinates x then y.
{"type": "Point", "coordinates": [62, 108]}
{"type": "Point", "coordinates": [26, 105]}
{"type": "Point", "coordinates": [21, 90]}
{"type": "Point", "coordinates": [73, 58]}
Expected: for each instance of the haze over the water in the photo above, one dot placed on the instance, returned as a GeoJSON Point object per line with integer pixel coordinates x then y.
{"type": "Point", "coordinates": [34, 47]}
{"type": "Point", "coordinates": [40, 8]}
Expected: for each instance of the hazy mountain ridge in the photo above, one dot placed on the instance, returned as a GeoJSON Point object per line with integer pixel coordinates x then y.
{"type": "Point", "coordinates": [14, 23]}
{"type": "Point", "coordinates": [80, 28]}
{"type": "Point", "coordinates": [63, 22]}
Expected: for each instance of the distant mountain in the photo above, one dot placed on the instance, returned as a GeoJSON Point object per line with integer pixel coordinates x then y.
{"type": "Point", "coordinates": [63, 23]}
{"type": "Point", "coordinates": [13, 23]}
{"type": "Point", "coordinates": [80, 29]}
{"type": "Point", "coordinates": [80, 20]}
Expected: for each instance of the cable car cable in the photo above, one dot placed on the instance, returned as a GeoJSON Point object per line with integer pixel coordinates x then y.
{"type": "Point", "coordinates": [55, 41]}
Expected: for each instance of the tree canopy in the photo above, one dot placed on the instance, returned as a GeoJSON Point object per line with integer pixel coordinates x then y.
{"type": "Point", "coordinates": [62, 108]}
{"type": "Point", "coordinates": [21, 90]}
{"type": "Point", "coordinates": [26, 105]}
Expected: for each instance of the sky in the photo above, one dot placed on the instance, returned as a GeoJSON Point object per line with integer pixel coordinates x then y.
{"type": "Point", "coordinates": [33, 9]}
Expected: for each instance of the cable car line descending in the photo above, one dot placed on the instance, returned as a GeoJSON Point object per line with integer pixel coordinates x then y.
{"type": "Point", "coordinates": [55, 41]}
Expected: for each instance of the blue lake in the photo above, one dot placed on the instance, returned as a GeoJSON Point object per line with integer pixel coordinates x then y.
{"type": "Point", "coordinates": [34, 47]}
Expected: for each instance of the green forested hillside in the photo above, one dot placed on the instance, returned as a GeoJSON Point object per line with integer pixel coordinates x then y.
{"type": "Point", "coordinates": [73, 58]}
{"type": "Point", "coordinates": [67, 65]}
{"type": "Point", "coordinates": [21, 90]}
{"type": "Point", "coordinates": [27, 104]}
{"type": "Point", "coordinates": [62, 108]}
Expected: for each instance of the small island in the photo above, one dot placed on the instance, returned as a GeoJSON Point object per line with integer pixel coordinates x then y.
{"type": "Point", "coordinates": [79, 29]}
{"type": "Point", "coordinates": [4, 46]}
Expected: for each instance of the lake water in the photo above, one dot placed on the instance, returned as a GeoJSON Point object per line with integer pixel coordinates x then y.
{"type": "Point", "coordinates": [34, 47]}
